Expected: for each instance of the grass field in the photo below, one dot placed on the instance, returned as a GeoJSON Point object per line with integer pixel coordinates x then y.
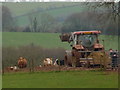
{"type": "Point", "coordinates": [58, 10]}
{"type": "Point", "coordinates": [48, 40]}
{"type": "Point", "coordinates": [64, 79]}
{"type": "Point", "coordinates": [56, 13]}
{"type": "Point", "coordinates": [0, 81]}
{"type": "Point", "coordinates": [22, 8]}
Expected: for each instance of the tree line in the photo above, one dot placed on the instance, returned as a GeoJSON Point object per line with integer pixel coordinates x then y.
{"type": "Point", "coordinates": [102, 20]}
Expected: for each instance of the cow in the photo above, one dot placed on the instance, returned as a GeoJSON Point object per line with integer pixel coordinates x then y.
{"type": "Point", "coordinates": [15, 68]}
{"type": "Point", "coordinates": [48, 62]}
{"type": "Point", "coordinates": [12, 68]}
{"type": "Point", "coordinates": [22, 62]}
{"type": "Point", "coordinates": [59, 62]}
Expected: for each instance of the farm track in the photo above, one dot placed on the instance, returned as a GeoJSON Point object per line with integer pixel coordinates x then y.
{"type": "Point", "coordinates": [56, 68]}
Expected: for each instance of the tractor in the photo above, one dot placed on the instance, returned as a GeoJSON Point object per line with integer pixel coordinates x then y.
{"type": "Point", "coordinates": [86, 49]}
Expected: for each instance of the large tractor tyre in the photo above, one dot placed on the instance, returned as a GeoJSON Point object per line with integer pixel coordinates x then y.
{"type": "Point", "coordinates": [71, 60]}
{"type": "Point", "coordinates": [76, 61]}
{"type": "Point", "coordinates": [68, 59]}
{"type": "Point", "coordinates": [100, 58]}
{"type": "Point", "coordinates": [78, 64]}
{"type": "Point", "coordinates": [76, 58]}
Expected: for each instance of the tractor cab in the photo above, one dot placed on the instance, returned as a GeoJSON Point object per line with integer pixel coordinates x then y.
{"type": "Point", "coordinates": [83, 39]}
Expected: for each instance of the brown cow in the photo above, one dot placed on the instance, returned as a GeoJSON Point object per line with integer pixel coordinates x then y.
{"type": "Point", "coordinates": [22, 62]}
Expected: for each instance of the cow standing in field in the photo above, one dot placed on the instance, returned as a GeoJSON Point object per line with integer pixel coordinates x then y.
{"type": "Point", "coordinates": [59, 62]}
{"type": "Point", "coordinates": [22, 62]}
{"type": "Point", "coordinates": [11, 68]}
{"type": "Point", "coordinates": [48, 62]}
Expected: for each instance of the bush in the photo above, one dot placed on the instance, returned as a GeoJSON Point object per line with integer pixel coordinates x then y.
{"type": "Point", "coordinates": [31, 52]}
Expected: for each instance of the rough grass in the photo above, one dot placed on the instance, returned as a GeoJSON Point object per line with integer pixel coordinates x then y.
{"type": "Point", "coordinates": [48, 40]}
{"type": "Point", "coordinates": [64, 79]}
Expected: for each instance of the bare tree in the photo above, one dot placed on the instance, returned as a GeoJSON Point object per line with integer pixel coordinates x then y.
{"type": "Point", "coordinates": [111, 7]}
{"type": "Point", "coordinates": [35, 24]}
{"type": "Point", "coordinates": [42, 22]}
{"type": "Point", "coordinates": [91, 21]}
{"type": "Point", "coordinates": [46, 22]}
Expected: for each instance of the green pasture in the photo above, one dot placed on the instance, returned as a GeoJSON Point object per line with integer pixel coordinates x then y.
{"type": "Point", "coordinates": [21, 11]}
{"type": "Point", "coordinates": [61, 12]}
{"type": "Point", "coordinates": [48, 40]}
{"type": "Point", "coordinates": [22, 8]}
{"type": "Point", "coordinates": [110, 41]}
{"type": "Point", "coordinates": [63, 79]}
{"type": "Point", "coordinates": [0, 81]}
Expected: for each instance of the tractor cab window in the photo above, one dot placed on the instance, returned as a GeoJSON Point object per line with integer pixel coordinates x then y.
{"type": "Point", "coordinates": [86, 40]}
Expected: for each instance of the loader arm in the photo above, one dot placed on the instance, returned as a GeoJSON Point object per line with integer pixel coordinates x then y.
{"type": "Point", "coordinates": [65, 37]}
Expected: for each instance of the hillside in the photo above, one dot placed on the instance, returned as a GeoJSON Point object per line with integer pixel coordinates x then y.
{"type": "Point", "coordinates": [21, 11]}
{"type": "Point", "coordinates": [48, 40]}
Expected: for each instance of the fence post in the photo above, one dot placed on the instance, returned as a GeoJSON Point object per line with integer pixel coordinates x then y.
{"type": "Point", "coordinates": [32, 65]}
{"type": "Point", "coordinates": [104, 61]}
{"type": "Point", "coordinates": [100, 63]}
{"type": "Point", "coordinates": [29, 65]}
{"type": "Point", "coordinates": [3, 67]}
{"type": "Point", "coordinates": [59, 65]}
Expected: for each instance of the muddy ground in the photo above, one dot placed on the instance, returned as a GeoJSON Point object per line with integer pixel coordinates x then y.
{"type": "Point", "coordinates": [57, 68]}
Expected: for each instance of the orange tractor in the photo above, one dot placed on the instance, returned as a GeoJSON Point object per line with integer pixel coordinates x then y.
{"type": "Point", "coordinates": [86, 49]}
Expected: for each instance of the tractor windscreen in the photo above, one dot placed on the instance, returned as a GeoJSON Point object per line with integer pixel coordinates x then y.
{"type": "Point", "coordinates": [86, 40]}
